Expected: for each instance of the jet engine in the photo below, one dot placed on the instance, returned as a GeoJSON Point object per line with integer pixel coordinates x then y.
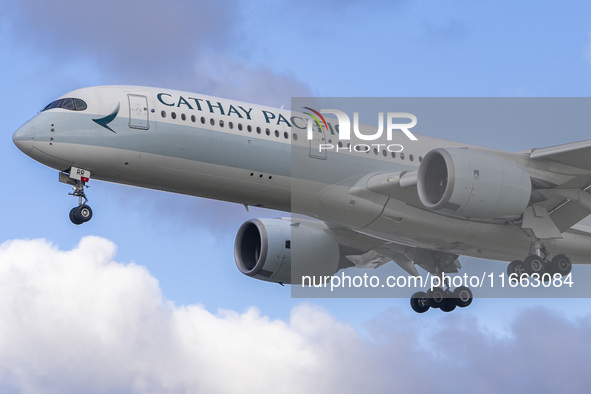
{"type": "Point", "coordinates": [283, 251]}
{"type": "Point", "coordinates": [470, 184]}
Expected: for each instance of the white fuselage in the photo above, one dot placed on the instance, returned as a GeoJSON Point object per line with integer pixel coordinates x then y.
{"type": "Point", "coordinates": [233, 151]}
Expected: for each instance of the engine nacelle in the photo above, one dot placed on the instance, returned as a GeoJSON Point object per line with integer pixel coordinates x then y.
{"type": "Point", "coordinates": [283, 251]}
{"type": "Point", "coordinates": [472, 184]}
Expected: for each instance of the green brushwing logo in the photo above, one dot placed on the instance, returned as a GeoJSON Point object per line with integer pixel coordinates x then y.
{"type": "Point", "coordinates": [108, 119]}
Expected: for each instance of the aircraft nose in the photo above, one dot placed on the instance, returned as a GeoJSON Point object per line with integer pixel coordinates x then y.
{"type": "Point", "coordinates": [24, 137]}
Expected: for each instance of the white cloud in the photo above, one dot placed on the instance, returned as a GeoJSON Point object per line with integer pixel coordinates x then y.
{"type": "Point", "coordinates": [77, 321]}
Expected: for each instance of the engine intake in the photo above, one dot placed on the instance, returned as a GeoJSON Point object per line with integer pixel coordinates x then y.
{"type": "Point", "coordinates": [282, 251]}
{"type": "Point", "coordinates": [472, 184]}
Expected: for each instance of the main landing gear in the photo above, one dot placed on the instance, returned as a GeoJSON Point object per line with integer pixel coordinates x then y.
{"type": "Point", "coordinates": [538, 263]}
{"type": "Point", "coordinates": [534, 264]}
{"type": "Point", "coordinates": [444, 299]}
{"type": "Point", "coordinates": [78, 178]}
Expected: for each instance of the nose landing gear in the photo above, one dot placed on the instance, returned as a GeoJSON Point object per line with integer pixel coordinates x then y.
{"type": "Point", "coordinates": [78, 178]}
{"type": "Point", "coordinates": [82, 213]}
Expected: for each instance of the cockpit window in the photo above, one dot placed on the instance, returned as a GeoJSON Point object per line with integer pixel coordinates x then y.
{"type": "Point", "coordinates": [72, 104]}
{"type": "Point", "coordinates": [80, 104]}
{"type": "Point", "coordinates": [68, 103]}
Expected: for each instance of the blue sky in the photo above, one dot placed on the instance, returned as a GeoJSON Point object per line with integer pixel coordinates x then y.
{"type": "Point", "coordinates": [175, 252]}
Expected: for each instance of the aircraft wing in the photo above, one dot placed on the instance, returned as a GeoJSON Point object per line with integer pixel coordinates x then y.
{"type": "Point", "coordinates": [563, 201]}
{"type": "Point", "coordinates": [568, 202]}
{"type": "Point", "coordinates": [574, 154]}
{"type": "Point", "coordinates": [363, 251]}
{"type": "Point", "coordinates": [561, 177]}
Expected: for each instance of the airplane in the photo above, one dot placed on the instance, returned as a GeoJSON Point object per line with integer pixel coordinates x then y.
{"type": "Point", "coordinates": [423, 206]}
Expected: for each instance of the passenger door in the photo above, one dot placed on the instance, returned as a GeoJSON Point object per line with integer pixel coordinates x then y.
{"type": "Point", "coordinates": [318, 138]}
{"type": "Point", "coordinates": [138, 112]}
